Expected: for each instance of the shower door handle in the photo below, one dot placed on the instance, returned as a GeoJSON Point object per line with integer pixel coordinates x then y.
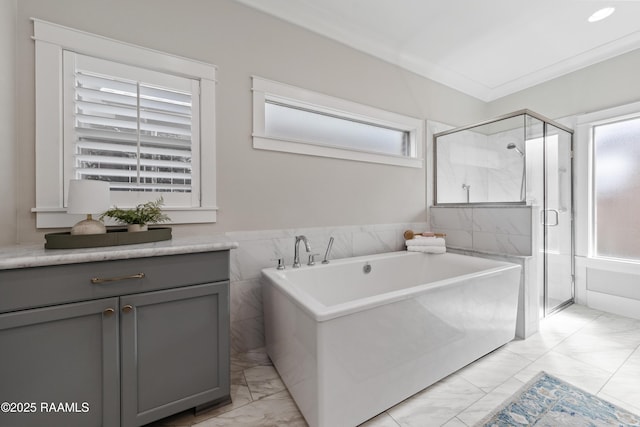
{"type": "Point", "coordinates": [544, 216]}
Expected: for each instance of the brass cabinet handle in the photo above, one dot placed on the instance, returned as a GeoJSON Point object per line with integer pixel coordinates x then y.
{"type": "Point", "coordinates": [96, 280]}
{"type": "Point", "coordinates": [127, 308]}
{"type": "Point", "coordinates": [108, 311]}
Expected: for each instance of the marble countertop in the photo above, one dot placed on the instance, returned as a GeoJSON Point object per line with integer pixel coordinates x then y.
{"type": "Point", "coordinates": [23, 256]}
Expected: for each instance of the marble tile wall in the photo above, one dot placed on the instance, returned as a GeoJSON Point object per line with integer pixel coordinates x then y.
{"type": "Point", "coordinates": [505, 177]}
{"type": "Point", "coordinates": [503, 233]}
{"type": "Point", "coordinates": [260, 249]}
{"type": "Point", "coordinates": [462, 159]}
{"type": "Point", "coordinates": [499, 230]}
{"type": "Point", "coordinates": [528, 301]}
{"type": "Point", "coordinates": [482, 161]}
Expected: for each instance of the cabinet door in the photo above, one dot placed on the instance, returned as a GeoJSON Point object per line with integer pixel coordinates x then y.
{"type": "Point", "coordinates": [175, 351]}
{"type": "Point", "coordinates": [60, 364]}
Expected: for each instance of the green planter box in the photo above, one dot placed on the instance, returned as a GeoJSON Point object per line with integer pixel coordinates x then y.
{"type": "Point", "coordinates": [111, 238]}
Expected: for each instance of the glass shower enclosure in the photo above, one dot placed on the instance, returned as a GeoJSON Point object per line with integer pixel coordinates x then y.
{"type": "Point", "coordinates": [521, 159]}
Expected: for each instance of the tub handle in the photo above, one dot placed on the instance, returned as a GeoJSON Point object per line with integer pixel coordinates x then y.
{"type": "Point", "coordinates": [312, 260]}
{"type": "Point", "coordinates": [280, 263]}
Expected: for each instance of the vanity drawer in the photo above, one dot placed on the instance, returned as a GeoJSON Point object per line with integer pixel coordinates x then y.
{"type": "Point", "coordinates": [43, 286]}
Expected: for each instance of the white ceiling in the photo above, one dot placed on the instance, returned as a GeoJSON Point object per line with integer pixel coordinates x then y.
{"type": "Point", "coordinates": [485, 48]}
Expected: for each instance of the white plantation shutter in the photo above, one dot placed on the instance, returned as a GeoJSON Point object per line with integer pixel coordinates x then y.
{"type": "Point", "coordinates": [135, 128]}
{"type": "Point", "coordinates": [148, 127]}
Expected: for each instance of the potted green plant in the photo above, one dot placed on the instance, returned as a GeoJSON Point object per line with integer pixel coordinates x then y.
{"type": "Point", "coordinates": [138, 218]}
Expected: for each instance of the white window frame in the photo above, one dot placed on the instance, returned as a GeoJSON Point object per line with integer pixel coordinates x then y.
{"type": "Point", "coordinates": [50, 42]}
{"type": "Point", "coordinates": [267, 90]}
{"type": "Point", "coordinates": [593, 205]}
{"type": "Point", "coordinates": [585, 125]}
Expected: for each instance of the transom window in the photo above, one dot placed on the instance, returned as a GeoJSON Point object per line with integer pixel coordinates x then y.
{"type": "Point", "coordinates": [300, 124]}
{"type": "Point", "coordinates": [291, 119]}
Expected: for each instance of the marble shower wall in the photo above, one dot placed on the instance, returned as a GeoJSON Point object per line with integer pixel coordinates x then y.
{"type": "Point", "coordinates": [505, 181]}
{"type": "Point", "coordinates": [462, 159]}
{"type": "Point", "coordinates": [493, 172]}
{"type": "Point", "coordinates": [499, 230]}
{"type": "Point", "coordinates": [260, 249]}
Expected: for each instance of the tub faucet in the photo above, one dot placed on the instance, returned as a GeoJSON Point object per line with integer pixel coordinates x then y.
{"type": "Point", "coordinates": [296, 252]}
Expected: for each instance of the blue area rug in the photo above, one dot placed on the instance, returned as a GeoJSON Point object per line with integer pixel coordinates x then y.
{"type": "Point", "coordinates": [547, 401]}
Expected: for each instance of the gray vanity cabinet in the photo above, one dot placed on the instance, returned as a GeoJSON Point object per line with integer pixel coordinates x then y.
{"type": "Point", "coordinates": [62, 354]}
{"type": "Point", "coordinates": [149, 339]}
{"type": "Point", "coordinates": [171, 351]}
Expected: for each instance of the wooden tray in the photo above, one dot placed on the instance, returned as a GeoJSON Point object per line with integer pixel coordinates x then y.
{"type": "Point", "coordinates": [111, 238]}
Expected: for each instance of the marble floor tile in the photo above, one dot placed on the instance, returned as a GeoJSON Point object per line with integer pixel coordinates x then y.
{"type": "Point", "coordinates": [189, 418]}
{"type": "Point", "coordinates": [437, 404]}
{"type": "Point", "coordinates": [237, 375]}
{"type": "Point", "coordinates": [536, 345]}
{"type": "Point", "coordinates": [263, 381]}
{"type": "Point", "coordinates": [583, 375]}
{"type": "Point", "coordinates": [493, 369]}
{"type": "Point", "coordinates": [596, 351]}
{"type": "Point", "coordinates": [251, 358]}
{"type": "Point", "coordinates": [240, 392]}
{"type": "Point", "coordinates": [489, 402]}
{"type": "Point", "coordinates": [624, 385]}
{"type": "Point", "coordinates": [614, 331]}
{"type": "Point", "coordinates": [382, 420]}
{"type": "Point", "coordinates": [610, 322]}
{"type": "Point", "coordinates": [240, 396]}
{"type": "Point", "coordinates": [634, 408]}
{"type": "Point", "coordinates": [242, 361]}
{"type": "Point", "coordinates": [277, 410]}
{"type": "Point", "coordinates": [454, 422]}
{"type": "Point", "coordinates": [609, 351]}
{"type": "Point", "coordinates": [569, 320]}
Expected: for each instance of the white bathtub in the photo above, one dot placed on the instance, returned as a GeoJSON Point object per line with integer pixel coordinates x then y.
{"type": "Point", "coordinates": [350, 344]}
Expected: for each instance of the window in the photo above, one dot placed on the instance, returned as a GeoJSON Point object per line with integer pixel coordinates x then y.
{"type": "Point", "coordinates": [131, 127]}
{"type": "Point", "coordinates": [287, 118]}
{"type": "Point", "coordinates": [124, 114]}
{"type": "Point", "coordinates": [616, 183]}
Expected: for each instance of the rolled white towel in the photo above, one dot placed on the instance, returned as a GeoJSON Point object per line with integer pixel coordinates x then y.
{"type": "Point", "coordinates": [426, 241]}
{"type": "Point", "coordinates": [427, 249]}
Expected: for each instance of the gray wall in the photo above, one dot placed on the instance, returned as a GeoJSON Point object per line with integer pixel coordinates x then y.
{"type": "Point", "coordinates": [260, 189]}
{"type": "Point", "coordinates": [604, 85]}
{"type": "Point", "coordinates": [256, 189]}
{"type": "Point", "coordinates": [7, 122]}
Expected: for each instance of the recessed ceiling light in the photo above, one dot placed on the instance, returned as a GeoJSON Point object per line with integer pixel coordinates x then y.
{"type": "Point", "coordinates": [601, 14]}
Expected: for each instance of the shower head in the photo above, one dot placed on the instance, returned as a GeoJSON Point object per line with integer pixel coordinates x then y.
{"type": "Point", "coordinates": [512, 146]}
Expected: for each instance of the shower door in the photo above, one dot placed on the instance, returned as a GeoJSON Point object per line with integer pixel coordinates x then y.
{"type": "Point", "coordinates": [556, 219]}
{"type": "Point", "coordinates": [510, 161]}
